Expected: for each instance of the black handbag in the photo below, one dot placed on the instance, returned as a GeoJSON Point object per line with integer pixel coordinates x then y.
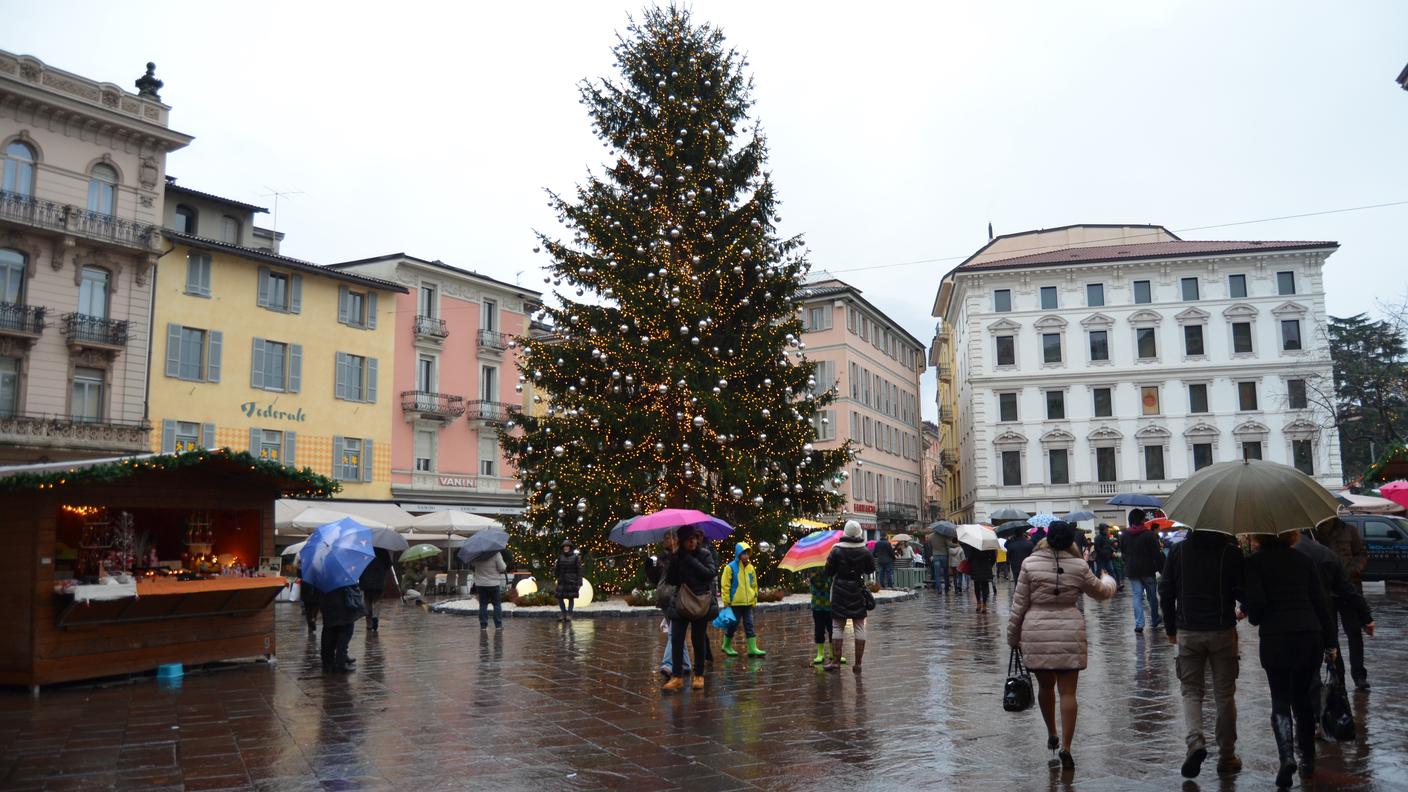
{"type": "Point", "coordinates": [1336, 717]}
{"type": "Point", "coordinates": [869, 597]}
{"type": "Point", "coordinates": [1017, 691]}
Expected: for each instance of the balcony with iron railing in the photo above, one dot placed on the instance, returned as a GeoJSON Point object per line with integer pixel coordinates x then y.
{"type": "Point", "coordinates": [24, 321]}
{"type": "Point", "coordinates": [64, 218]}
{"type": "Point", "coordinates": [896, 512]}
{"type": "Point", "coordinates": [431, 328]}
{"type": "Point", "coordinates": [948, 459]}
{"type": "Point", "coordinates": [429, 406]}
{"type": "Point", "coordinates": [493, 341]}
{"type": "Point", "coordinates": [488, 411]}
{"type": "Point", "coordinates": [95, 332]}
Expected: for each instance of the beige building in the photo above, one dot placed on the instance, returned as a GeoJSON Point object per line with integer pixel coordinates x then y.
{"type": "Point", "coordinates": [84, 164]}
{"type": "Point", "coordinates": [955, 507]}
{"type": "Point", "coordinates": [875, 366]}
{"type": "Point", "coordinates": [931, 483]}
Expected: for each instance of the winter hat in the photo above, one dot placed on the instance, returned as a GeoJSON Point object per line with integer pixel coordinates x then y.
{"type": "Point", "coordinates": [1060, 535]}
{"type": "Point", "coordinates": [852, 534]}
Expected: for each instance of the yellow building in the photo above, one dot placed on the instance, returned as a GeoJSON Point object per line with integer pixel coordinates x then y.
{"type": "Point", "coordinates": [957, 503]}
{"type": "Point", "coordinates": [254, 350]}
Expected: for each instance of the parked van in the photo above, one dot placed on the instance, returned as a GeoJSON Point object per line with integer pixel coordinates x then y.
{"type": "Point", "coordinates": [1386, 540]}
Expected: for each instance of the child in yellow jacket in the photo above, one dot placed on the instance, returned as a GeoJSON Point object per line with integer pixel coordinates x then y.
{"type": "Point", "coordinates": [738, 587]}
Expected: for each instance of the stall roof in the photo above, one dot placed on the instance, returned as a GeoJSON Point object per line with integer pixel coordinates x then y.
{"type": "Point", "coordinates": [222, 461]}
{"type": "Point", "coordinates": [388, 514]}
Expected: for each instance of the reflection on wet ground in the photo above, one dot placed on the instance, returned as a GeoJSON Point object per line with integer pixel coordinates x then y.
{"type": "Point", "coordinates": [438, 704]}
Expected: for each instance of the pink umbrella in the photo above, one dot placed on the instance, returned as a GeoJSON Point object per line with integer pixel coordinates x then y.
{"type": "Point", "coordinates": [711, 526]}
{"type": "Point", "coordinates": [1396, 491]}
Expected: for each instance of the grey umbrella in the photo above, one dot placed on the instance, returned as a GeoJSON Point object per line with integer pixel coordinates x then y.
{"type": "Point", "coordinates": [1008, 513]}
{"type": "Point", "coordinates": [1078, 516]}
{"type": "Point", "coordinates": [1250, 497]}
{"type": "Point", "coordinates": [484, 542]}
{"type": "Point", "coordinates": [944, 528]}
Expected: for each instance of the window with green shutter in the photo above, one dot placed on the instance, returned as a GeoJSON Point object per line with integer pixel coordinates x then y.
{"type": "Point", "coordinates": [198, 274]}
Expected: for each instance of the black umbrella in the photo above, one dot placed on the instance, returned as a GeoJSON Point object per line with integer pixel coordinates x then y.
{"type": "Point", "coordinates": [636, 538]}
{"type": "Point", "coordinates": [485, 542]}
{"type": "Point", "coordinates": [1013, 528]}
{"type": "Point", "coordinates": [1008, 513]}
{"type": "Point", "coordinates": [944, 528]}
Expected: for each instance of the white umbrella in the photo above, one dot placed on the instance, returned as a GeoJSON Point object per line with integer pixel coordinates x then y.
{"type": "Point", "coordinates": [979, 536]}
{"type": "Point", "coordinates": [316, 517]}
{"type": "Point", "coordinates": [452, 522]}
{"type": "Point", "coordinates": [294, 549]}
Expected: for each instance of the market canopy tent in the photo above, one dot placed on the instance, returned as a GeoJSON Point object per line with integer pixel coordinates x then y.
{"type": "Point", "coordinates": [292, 518]}
{"type": "Point", "coordinates": [60, 636]}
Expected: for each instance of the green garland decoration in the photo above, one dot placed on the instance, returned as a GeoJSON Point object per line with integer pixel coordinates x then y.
{"type": "Point", "coordinates": [1376, 473]}
{"type": "Point", "coordinates": [304, 483]}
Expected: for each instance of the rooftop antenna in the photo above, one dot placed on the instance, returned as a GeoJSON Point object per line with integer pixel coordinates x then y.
{"type": "Point", "coordinates": [277, 194]}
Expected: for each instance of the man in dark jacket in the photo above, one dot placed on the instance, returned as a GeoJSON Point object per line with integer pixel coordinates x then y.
{"type": "Point", "coordinates": [885, 562]}
{"type": "Point", "coordinates": [1143, 558]}
{"type": "Point", "coordinates": [1347, 543]}
{"type": "Point", "coordinates": [341, 609]}
{"type": "Point", "coordinates": [1105, 554]}
{"type": "Point", "coordinates": [373, 584]}
{"type": "Point", "coordinates": [1344, 597]}
{"type": "Point", "coordinates": [1201, 585]}
{"type": "Point", "coordinates": [1018, 548]}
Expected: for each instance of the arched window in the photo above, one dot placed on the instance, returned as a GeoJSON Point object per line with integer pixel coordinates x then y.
{"type": "Point", "coordinates": [230, 230]}
{"type": "Point", "coordinates": [102, 189]}
{"type": "Point", "coordinates": [19, 169]}
{"type": "Point", "coordinates": [186, 220]}
{"type": "Point", "coordinates": [12, 266]}
{"type": "Point", "coordinates": [93, 293]}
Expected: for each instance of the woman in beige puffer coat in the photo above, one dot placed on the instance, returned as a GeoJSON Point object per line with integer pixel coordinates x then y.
{"type": "Point", "coordinates": [1050, 629]}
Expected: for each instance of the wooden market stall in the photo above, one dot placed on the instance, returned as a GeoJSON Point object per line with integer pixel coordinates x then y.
{"type": "Point", "coordinates": [115, 566]}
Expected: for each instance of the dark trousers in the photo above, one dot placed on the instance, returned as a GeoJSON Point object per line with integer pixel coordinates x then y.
{"type": "Point", "coordinates": [696, 635]}
{"type": "Point", "coordinates": [1354, 637]}
{"type": "Point", "coordinates": [488, 594]}
{"type": "Point", "coordinates": [886, 578]}
{"type": "Point", "coordinates": [1106, 565]}
{"type": "Point", "coordinates": [1290, 695]}
{"type": "Point", "coordinates": [371, 597]}
{"type": "Point", "coordinates": [745, 618]}
{"type": "Point", "coordinates": [982, 589]}
{"type": "Point", "coordinates": [310, 614]}
{"type": "Point", "coordinates": [822, 631]}
{"type": "Point", "coordinates": [566, 604]}
{"type": "Point", "coordinates": [334, 644]}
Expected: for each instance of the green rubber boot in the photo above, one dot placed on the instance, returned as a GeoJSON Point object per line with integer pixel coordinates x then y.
{"type": "Point", "coordinates": [753, 650]}
{"type": "Point", "coordinates": [728, 647]}
{"type": "Point", "coordinates": [821, 653]}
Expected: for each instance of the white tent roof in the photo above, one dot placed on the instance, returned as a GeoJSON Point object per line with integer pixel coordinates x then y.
{"type": "Point", "coordinates": [287, 510]}
{"type": "Point", "coordinates": [1367, 504]}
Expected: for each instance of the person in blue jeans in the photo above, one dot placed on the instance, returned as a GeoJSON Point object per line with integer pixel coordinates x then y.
{"type": "Point", "coordinates": [1143, 560]}
{"type": "Point", "coordinates": [884, 553]}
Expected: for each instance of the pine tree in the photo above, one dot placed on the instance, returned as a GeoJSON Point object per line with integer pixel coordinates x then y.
{"type": "Point", "coordinates": [677, 376]}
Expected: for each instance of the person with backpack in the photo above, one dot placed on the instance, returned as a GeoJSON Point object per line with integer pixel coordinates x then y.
{"type": "Point", "coordinates": [847, 565]}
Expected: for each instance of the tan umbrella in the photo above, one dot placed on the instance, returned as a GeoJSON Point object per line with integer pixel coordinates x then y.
{"type": "Point", "coordinates": [1250, 497]}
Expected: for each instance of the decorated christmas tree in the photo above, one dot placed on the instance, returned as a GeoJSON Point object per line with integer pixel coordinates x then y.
{"type": "Point", "coordinates": [675, 376]}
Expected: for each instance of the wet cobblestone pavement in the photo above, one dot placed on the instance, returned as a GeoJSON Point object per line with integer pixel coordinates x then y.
{"type": "Point", "coordinates": [439, 705]}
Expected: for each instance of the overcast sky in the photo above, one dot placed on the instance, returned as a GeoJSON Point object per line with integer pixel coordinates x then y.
{"type": "Point", "coordinates": [898, 131]}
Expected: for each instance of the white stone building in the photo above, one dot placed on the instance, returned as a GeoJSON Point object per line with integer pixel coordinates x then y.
{"type": "Point", "coordinates": [1093, 360]}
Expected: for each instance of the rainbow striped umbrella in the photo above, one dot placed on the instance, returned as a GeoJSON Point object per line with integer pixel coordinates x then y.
{"type": "Point", "coordinates": [810, 551]}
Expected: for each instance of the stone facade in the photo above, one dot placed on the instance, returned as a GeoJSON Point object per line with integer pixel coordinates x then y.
{"type": "Point", "coordinates": [1095, 360]}
{"type": "Point", "coordinates": [80, 207]}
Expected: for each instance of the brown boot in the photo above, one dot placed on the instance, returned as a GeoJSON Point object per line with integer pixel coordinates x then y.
{"type": "Point", "coordinates": [698, 683]}
{"type": "Point", "coordinates": [675, 683]}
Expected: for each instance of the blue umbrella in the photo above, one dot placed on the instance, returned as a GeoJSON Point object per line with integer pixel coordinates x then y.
{"type": "Point", "coordinates": [1042, 520]}
{"type": "Point", "coordinates": [483, 543]}
{"type": "Point", "coordinates": [336, 554]}
{"type": "Point", "coordinates": [1077, 516]}
{"type": "Point", "coordinates": [1135, 499]}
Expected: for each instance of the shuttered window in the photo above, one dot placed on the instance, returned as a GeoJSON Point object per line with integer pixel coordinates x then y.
{"type": "Point", "coordinates": [280, 291]}
{"type": "Point", "coordinates": [276, 366]}
{"type": "Point", "coordinates": [352, 458]}
{"type": "Point", "coordinates": [180, 436]}
{"type": "Point", "coordinates": [355, 378]}
{"type": "Point", "coordinates": [192, 353]}
{"type": "Point", "coordinates": [198, 274]}
{"type": "Point", "coordinates": [355, 308]}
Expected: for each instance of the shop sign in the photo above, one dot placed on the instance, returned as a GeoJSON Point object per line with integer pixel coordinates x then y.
{"type": "Point", "coordinates": [864, 508]}
{"type": "Point", "coordinates": [456, 481]}
{"type": "Point", "coordinates": [253, 410]}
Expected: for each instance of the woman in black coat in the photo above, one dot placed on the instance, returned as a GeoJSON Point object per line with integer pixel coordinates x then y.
{"type": "Point", "coordinates": [341, 609]}
{"type": "Point", "coordinates": [692, 566]}
{"type": "Point", "coordinates": [1285, 598]}
{"type": "Point", "coordinates": [568, 572]}
{"type": "Point", "coordinates": [847, 565]}
{"type": "Point", "coordinates": [980, 566]}
{"type": "Point", "coordinates": [373, 584]}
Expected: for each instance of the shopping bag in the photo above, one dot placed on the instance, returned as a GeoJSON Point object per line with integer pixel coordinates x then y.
{"type": "Point", "coordinates": [1336, 717]}
{"type": "Point", "coordinates": [725, 619]}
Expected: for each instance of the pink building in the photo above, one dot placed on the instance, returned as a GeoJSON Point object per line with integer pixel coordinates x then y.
{"type": "Point", "coordinates": [875, 366]}
{"type": "Point", "coordinates": [455, 374]}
